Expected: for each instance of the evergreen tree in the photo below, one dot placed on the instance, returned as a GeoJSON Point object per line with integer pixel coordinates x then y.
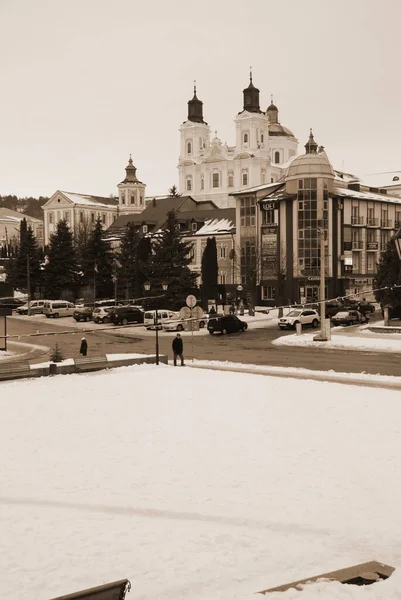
{"type": "Point", "coordinates": [26, 264]}
{"type": "Point", "coordinates": [60, 273]}
{"type": "Point", "coordinates": [388, 274]}
{"type": "Point", "coordinates": [170, 260]}
{"type": "Point", "coordinates": [210, 271]}
{"type": "Point", "coordinates": [97, 263]}
{"type": "Point", "coordinates": [134, 259]}
{"type": "Point", "coordinates": [173, 191]}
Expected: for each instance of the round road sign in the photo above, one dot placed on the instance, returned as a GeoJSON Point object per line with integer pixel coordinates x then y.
{"type": "Point", "coordinates": [191, 301]}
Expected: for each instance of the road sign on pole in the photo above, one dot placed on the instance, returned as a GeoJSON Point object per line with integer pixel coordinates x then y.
{"type": "Point", "coordinates": [191, 301]}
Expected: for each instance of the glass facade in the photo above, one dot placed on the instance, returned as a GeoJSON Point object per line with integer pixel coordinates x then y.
{"type": "Point", "coordinates": [310, 224]}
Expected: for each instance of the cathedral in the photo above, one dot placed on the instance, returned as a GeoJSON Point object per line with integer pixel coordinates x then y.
{"type": "Point", "coordinates": [211, 170]}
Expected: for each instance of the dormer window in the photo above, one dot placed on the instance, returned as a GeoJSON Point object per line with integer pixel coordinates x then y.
{"type": "Point", "coordinates": [144, 229]}
{"type": "Point", "coordinates": [194, 227]}
{"type": "Point", "coordinates": [396, 178]}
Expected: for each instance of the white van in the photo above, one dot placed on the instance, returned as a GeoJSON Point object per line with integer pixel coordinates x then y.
{"type": "Point", "coordinates": [36, 307]}
{"type": "Point", "coordinates": [163, 316]}
{"type": "Point", "coordinates": [58, 308]}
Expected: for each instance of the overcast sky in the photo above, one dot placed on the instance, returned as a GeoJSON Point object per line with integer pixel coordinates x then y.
{"type": "Point", "coordinates": [86, 82]}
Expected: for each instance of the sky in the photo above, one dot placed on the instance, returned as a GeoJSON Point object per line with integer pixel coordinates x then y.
{"type": "Point", "coordinates": [86, 83]}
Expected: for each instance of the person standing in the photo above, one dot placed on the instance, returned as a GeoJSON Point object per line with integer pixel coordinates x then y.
{"type": "Point", "coordinates": [178, 348]}
{"type": "Point", "coordinates": [84, 347]}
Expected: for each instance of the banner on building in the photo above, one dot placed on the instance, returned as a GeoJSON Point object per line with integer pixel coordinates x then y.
{"type": "Point", "coordinates": [269, 252]}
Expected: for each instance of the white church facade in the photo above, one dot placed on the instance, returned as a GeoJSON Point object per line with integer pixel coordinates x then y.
{"type": "Point", "coordinates": [211, 170]}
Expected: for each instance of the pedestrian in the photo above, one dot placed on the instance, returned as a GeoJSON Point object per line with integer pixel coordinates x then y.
{"type": "Point", "coordinates": [178, 348]}
{"type": "Point", "coordinates": [84, 347]}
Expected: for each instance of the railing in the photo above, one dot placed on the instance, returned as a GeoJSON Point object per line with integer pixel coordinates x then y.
{"type": "Point", "coordinates": [373, 222]}
{"type": "Point", "coordinates": [357, 244]}
{"type": "Point", "coordinates": [386, 223]}
{"type": "Point", "coordinates": [356, 220]}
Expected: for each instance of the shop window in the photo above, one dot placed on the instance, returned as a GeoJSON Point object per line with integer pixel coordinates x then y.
{"type": "Point", "coordinates": [268, 292]}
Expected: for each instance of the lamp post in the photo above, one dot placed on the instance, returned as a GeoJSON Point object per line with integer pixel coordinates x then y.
{"type": "Point", "coordinates": [147, 287]}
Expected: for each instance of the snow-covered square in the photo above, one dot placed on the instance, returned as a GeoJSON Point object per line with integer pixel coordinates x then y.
{"type": "Point", "coordinates": [194, 483]}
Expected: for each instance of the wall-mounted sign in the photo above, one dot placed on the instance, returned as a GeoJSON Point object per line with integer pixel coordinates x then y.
{"type": "Point", "coordinates": [268, 205]}
{"type": "Point", "coordinates": [372, 245]}
{"type": "Point", "coordinates": [348, 261]}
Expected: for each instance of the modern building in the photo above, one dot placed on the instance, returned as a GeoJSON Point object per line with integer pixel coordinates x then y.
{"type": "Point", "coordinates": [197, 220]}
{"type": "Point", "coordinates": [279, 227]}
{"type": "Point", "coordinates": [83, 210]}
{"type": "Point", "coordinates": [212, 170]}
{"type": "Point", "coordinates": [10, 222]}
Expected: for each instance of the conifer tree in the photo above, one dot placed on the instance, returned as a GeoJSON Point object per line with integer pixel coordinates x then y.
{"type": "Point", "coordinates": [26, 263]}
{"type": "Point", "coordinates": [60, 272]}
{"type": "Point", "coordinates": [210, 271]}
{"type": "Point", "coordinates": [173, 191]}
{"type": "Point", "coordinates": [170, 260]}
{"type": "Point", "coordinates": [388, 274]}
{"type": "Point", "coordinates": [97, 263]}
{"type": "Point", "coordinates": [134, 259]}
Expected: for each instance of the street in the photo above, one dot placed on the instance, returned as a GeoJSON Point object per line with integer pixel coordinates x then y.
{"type": "Point", "coordinates": [252, 347]}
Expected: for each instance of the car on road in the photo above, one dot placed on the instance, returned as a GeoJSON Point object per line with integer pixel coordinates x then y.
{"type": "Point", "coordinates": [58, 308]}
{"type": "Point", "coordinates": [365, 307]}
{"type": "Point", "coordinates": [349, 317]}
{"type": "Point", "coordinates": [126, 314]}
{"type": "Point", "coordinates": [163, 316]}
{"type": "Point", "coordinates": [181, 324]}
{"type": "Point", "coordinates": [101, 314]}
{"type": "Point", "coordinates": [305, 317]}
{"type": "Point", "coordinates": [11, 302]}
{"type": "Point", "coordinates": [37, 308]}
{"type": "Point", "coordinates": [83, 314]}
{"type": "Point", "coordinates": [226, 324]}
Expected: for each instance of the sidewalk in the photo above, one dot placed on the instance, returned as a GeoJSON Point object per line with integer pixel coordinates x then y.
{"type": "Point", "coordinates": [358, 379]}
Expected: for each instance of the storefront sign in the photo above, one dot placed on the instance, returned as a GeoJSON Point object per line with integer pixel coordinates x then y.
{"type": "Point", "coordinates": [268, 205]}
{"type": "Point", "coordinates": [372, 245]}
{"type": "Point", "coordinates": [269, 252]}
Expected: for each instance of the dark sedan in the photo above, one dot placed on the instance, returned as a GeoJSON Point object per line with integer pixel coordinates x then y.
{"type": "Point", "coordinates": [226, 324]}
{"type": "Point", "coordinates": [83, 314]}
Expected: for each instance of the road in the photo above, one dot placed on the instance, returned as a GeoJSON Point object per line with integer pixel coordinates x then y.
{"type": "Point", "coordinates": [252, 347]}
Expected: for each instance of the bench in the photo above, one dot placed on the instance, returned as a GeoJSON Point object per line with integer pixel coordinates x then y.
{"type": "Point", "coordinates": [13, 370]}
{"type": "Point", "coordinates": [91, 363]}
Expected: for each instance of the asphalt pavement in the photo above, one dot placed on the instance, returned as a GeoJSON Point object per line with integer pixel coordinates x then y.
{"type": "Point", "coordinates": [252, 347]}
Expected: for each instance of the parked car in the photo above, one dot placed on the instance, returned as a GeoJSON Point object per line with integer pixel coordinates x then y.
{"type": "Point", "coordinates": [163, 315]}
{"type": "Point", "coordinates": [83, 314]}
{"type": "Point", "coordinates": [365, 307]}
{"type": "Point", "coordinates": [37, 307]}
{"type": "Point", "coordinates": [102, 314]}
{"type": "Point", "coordinates": [126, 314]}
{"type": "Point", "coordinates": [58, 308]}
{"type": "Point", "coordinates": [349, 317]}
{"type": "Point", "coordinates": [304, 316]}
{"type": "Point", "coordinates": [333, 307]}
{"type": "Point", "coordinates": [181, 324]}
{"type": "Point", "coordinates": [11, 302]}
{"type": "Point", "coordinates": [226, 324]}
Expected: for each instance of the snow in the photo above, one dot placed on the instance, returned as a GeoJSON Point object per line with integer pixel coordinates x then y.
{"type": "Point", "coordinates": [346, 342]}
{"type": "Point", "coordinates": [366, 195]}
{"type": "Point", "coordinates": [194, 483]}
{"type": "Point", "coordinates": [213, 226]}
{"type": "Point", "coordinates": [4, 354]}
{"type": "Point", "coordinates": [84, 199]}
{"type": "Point", "coordinates": [62, 363]}
{"type": "Point", "coordinates": [71, 361]}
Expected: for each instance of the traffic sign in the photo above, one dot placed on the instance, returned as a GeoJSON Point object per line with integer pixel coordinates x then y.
{"type": "Point", "coordinates": [191, 301]}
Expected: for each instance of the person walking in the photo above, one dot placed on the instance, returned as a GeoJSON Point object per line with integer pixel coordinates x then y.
{"type": "Point", "coordinates": [84, 347]}
{"type": "Point", "coordinates": [178, 348]}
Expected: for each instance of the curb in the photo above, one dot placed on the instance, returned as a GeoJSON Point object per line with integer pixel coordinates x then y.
{"type": "Point", "coordinates": [324, 376]}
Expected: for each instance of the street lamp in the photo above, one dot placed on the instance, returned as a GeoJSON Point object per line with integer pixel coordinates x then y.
{"type": "Point", "coordinates": [147, 287]}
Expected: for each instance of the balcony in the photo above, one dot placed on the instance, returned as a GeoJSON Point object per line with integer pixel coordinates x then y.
{"type": "Point", "coordinates": [357, 220]}
{"type": "Point", "coordinates": [373, 222]}
{"type": "Point", "coordinates": [357, 244]}
{"type": "Point", "coordinates": [386, 223]}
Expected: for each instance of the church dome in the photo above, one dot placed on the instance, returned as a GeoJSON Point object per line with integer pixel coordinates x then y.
{"type": "Point", "coordinates": [310, 164]}
{"type": "Point", "coordinates": [275, 129]}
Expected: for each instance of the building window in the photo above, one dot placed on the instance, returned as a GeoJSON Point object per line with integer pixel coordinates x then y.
{"type": "Point", "coordinates": [92, 217]}
{"type": "Point", "coordinates": [216, 180]}
{"type": "Point", "coordinates": [223, 251]}
{"type": "Point", "coordinates": [81, 216]}
{"type": "Point", "coordinates": [104, 218]}
{"type": "Point", "coordinates": [223, 278]}
{"type": "Point", "coordinates": [67, 216]}
{"type": "Point", "coordinates": [268, 292]}
{"type": "Point", "coordinates": [248, 212]}
{"type": "Point", "coordinates": [51, 217]}
{"type": "Point", "coordinates": [371, 262]}
{"type": "Point", "coordinates": [261, 138]}
{"type": "Point", "coordinates": [244, 178]}
{"type": "Point", "coordinates": [145, 229]}
{"type": "Point", "coordinates": [189, 148]}
{"type": "Point", "coordinates": [202, 183]}
{"type": "Point", "coordinates": [308, 227]}
{"type": "Point", "coordinates": [268, 217]}
{"type": "Point", "coordinates": [132, 198]}
{"type": "Point", "coordinates": [277, 157]}
{"type": "Point", "coordinates": [189, 184]}
{"type": "Point", "coordinates": [230, 181]}
{"type": "Point", "coordinates": [245, 138]}
{"type": "Point", "coordinates": [141, 199]}
{"type": "Point", "coordinates": [122, 197]}
{"type": "Point", "coordinates": [194, 226]}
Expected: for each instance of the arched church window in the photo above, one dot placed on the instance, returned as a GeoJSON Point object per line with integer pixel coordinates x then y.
{"type": "Point", "coordinates": [262, 138]}
{"type": "Point", "coordinates": [231, 181]}
{"type": "Point", "coordinates": [277, 157]}
{"type": "Point", "coordinates": [245, 138]}
{"type": "Point", "coordinates": [189, 184]}
{"type": "Point", "coordinates": [132, 198]}
{"type": "Point", "coordinates": [141, 199]}
{"type": "Point", "coordinates": [189, 148]}
{"type": "Point", "coordinates": [122, 197]}
{"type": "Point", "coordinates": [202, 182]}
